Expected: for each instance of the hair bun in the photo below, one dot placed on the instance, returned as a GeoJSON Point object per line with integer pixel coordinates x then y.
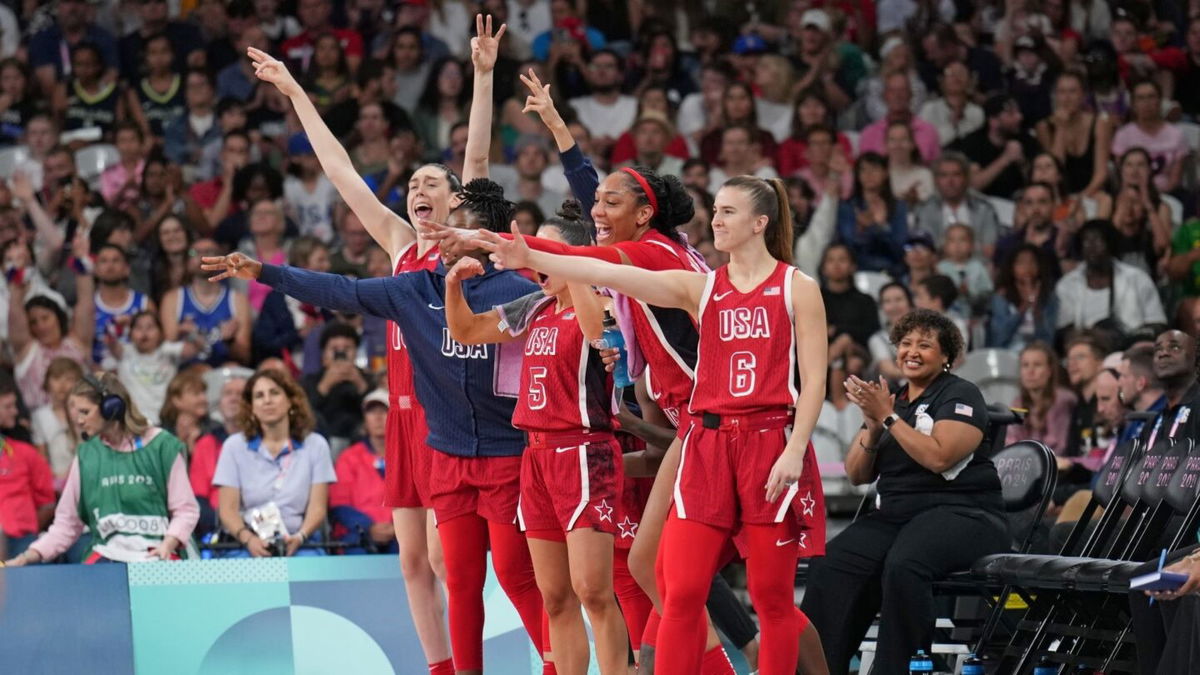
{"type": "Point", "coordinates": [570, 209]}
{"type": "Point", "coordinates": [677, 206]}
{"type": "Point", "coordinates": [484, 187]}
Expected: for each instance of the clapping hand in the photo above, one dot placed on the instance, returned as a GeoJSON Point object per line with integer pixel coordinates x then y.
{"type": "Point", "coordinates": [873, 398]}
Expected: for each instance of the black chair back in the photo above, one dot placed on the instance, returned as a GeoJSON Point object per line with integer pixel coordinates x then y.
{"type": "Point", "coordinates": [1134, 490]}
{"type": "Point", "coordinates": [1113, 472]}
{"type": "Point", "coordinates": [1155, 490]}
{"type": "Point", "coordinates": [1028, 475]}
{"type": "Point", "coordinates": [1184, 487]}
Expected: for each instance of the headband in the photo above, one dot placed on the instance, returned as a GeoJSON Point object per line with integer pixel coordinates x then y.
{"type": "Point", "coordinates": [645, 187]}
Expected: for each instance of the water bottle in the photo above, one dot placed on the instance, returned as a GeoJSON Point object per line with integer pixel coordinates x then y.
{"type": "Point", "coordinates": [972, 666]}
{"type": "Point", "coordinates": [612, 338]}
{"type": "Point", "coordinates": [1045, 667]}
{"type": "Point", "coordinates": [920, 663]}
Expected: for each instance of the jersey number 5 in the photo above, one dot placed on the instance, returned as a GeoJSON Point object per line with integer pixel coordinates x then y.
{"type": "Point", "coordinates": [741, 373]}
{"type": "Point", "coordinates": [537, 388]}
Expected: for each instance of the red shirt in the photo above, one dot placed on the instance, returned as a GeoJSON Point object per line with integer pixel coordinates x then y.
{"type": "Point", "coordinates": [203, 466]}
{"type": "Point", "coordinates": [625, 149]}
{"type": "Point", "coordinates": [748, 341]}
{"type": "Point", "coordinates": [26, 484]}
{"type": "Point", "coordinates": [205, 193]}
{"type": "Point", "coordinates": [564, 386]}
{"type": "Point", "coordinates": [299, 49]}
{"type": "Point", "coordinates": [790, 157]}
{"type": "Point", "coordinates": [360, 482]}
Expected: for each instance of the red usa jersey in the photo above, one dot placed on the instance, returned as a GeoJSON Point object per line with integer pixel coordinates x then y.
{"type": "Point", "coordinates": [400, 374]}
{"type": "Point", "coordinates": [747, 346]}
{"type": "Point", "coordinates": [564, 386]}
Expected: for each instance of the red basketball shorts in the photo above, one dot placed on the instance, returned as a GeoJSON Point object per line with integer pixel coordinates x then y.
{"type": "Point", "coordinates": [406, 473]}
{"type": "Point", "coordinates": [569, 481]}
{"type": "Point", "coordinates": [488, 486]}
{"type": "Point", "coordinates": [724, 466]}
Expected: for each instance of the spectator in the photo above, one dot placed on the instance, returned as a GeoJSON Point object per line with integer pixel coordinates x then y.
{"type": "Point", "coordinates": [739, 156]}
{"type": "Point", "coordinates": [895, 56]}
{"type": "Point", "coordinates": [183, 37]}
{"type": "Point", "coordinates": [897, 94]}
{"type": "Point", "coordinates": [337, 388]}
{"type": "Point", "coordinates": [955, 115]}
{"type": "Point", "coordinates": [328, 75]}
{"type": "Point", "coordinates": [229, 383]}
{"type": "Point", "coordinates": [652, 104]}
{"type": "Point", "coordinates": [351, 257]}
{"type": "Point", "coordinates": [356, 499]}
{"type": "Point", "coordinates": [999, 152]}
{"type": "Point", "coordinates": [41, 138]}
{"type": "Point", "coordinates": [410, 65]}
{"type": "Point", "coordinates": [307, 192]}
{"type": "Point", "coordinates": [774, 79]}
{"type": "Point", "coordinates": [1069, 211]}
{"type": "Point", "coordinates": [661, 67]}
{"type": "Point", "coordinates": [285, 327]}
{"type": "Point", "coordinates": [914, 538]}
{"type": "Point", "coordinates": [231, 117]}
{"type": "Point", "coordinates": [920, 258]}
{"type": "Point", "coordinates": [215, 197]}
{"type": "Point", "coordinates": [825, 164]}
{"type": "Point", "coordinates": [1183, 266]}
{"type": "Point", "coordinates": [910, 179]}
{"type": "Point", "coordinates": [121, 183]}
{"type": "Point", "coordinates": [701, 112]}
{"type": "Point", "coordinates": [214, 316]}
{"type": "Point", "coordinates": [833, 66]}
{"type": "Point", "coordinates": [51, 423]}
{"type": "Point", "coordinates": [115, 301]}
{"type": "Point", "coordinates": [523, 181]}
{"type": "Point", "coordinates": [372, 151]}
{"type": "Point", "coordinates": [737, 109]}
{"type": "Point", "coordinates": [276, 27]}
{"type": "Point", "coordinates": [1140, 390]}
{"type": "Point", "coordinates": [148, 514]}
{"type": "Point", "coordinates": [236, 81]}
{"type": "Point", "coordinates": [1085, 358]}
{"type": "Point", "coordinates": [314, 16]}
{"type": "Point", "coordinates": [1033, 224]}
{"type": "Point", "coordinates": [1048, 404]}
{"type": "Point", "coordinates": [954, 202]}
{"type": "Point", "coordinates": [146, 365]}
{"type": "Point", "coordinates": [266, 239]}
{"type": "Point", "coordinates": [606, 112]}
{"type": "Point", "coordinates": [185, 136]}
{"type": "Point", "coordinates": [38, 333]}
{"type": "Point", "coordinates": [185, 409]}
{"type": "Point", "coordinates": [1077, 137]}
{"type": "Point", "coordinates": [848, 310]}
{"type": "Point", "coordinates": [17, 103]}
{"type": "Point", "coordinates": [52, 49]}
{"type": "Point", "coordinates": [895, 300]}
{"type": "Point", "coordinates": [938, 293]}
{"type": "Point", "coordinates": [529, 217]}
{"type": "Point", "coordinates": [961, 263]}
{"type": "Point", "coordinates": [1108, 92]}
{"type": "Point", "coordinates": [1189, 97]}
{"type": "Point", "coordinates": [943, 45]}
{"type": "Point", "coordinates": [26, 494]}
{"type": "Point", "coordinates": [1147, 129]}
{"type": "Point", "coordinates": [19, 267]}
{"type": "Point", "coordinates": [86, 104]}
{"type": "Point", "coordinates": [1104, 292]}
{"type": "Point", "coordinates": [171, 244]}
{"type": "Point", "coordinates": [275, 460]}
{"type": "Point", "coordinates": [872, 222]}
{"type": "Point", "coordinates": [1141, 217]}
{"type": "Point", "coordinates": [811, 112]}
{"type": "Point", "coordinates": [528, 19]}
{"type": "Point", "coordinates": [568, 26]}
{"type": "Point", "coordinates": [443, 105]}
{"type": "Point", "coordinates": [1031, 78]}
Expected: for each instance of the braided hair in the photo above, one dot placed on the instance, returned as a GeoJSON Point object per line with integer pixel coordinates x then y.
{"type": "Point", "coordinates": [675, 206]}
{"type": "Point", "coordinates": [485, 199]}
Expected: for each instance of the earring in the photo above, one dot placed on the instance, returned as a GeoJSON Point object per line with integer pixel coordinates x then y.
{"type": "Point", "coordinates": [946, 366]}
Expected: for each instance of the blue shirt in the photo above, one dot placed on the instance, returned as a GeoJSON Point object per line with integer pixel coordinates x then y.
{"type": "Point", "coordinates": [50, 48]}
{"type": "Point", "coordinates": [468, 391]}
{"type": "Point", "coordinates": [285, 479]}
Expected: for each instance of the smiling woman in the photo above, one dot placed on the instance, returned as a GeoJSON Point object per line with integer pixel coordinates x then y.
{"type": "Point", "coordinates": [940, 505]}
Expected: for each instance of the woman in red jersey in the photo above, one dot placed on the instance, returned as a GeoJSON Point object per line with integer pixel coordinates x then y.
{"type": "Point", "coordinates": [571, 470]}
{"type": "Point", "coordinates": [745, 465]}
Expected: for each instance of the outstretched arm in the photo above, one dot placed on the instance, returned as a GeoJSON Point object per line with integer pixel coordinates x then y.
{"type": "Point", "coordinates": [484, 49]}
{"type": "Point", "coordinates": [668, 288]}
{"type": "Point", "coordinates": [577, 167]}
{"type": "Point", "coordinates": [388, 230]}
{"type": "Point", "coordinates": [466, 326]}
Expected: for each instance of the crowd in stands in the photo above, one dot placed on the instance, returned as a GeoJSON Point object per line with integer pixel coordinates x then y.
{"type": "Point", "coordinates": [1027, 168]}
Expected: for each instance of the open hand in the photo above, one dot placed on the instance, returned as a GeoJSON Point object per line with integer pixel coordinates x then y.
{"type": "Point", "coordinates": [270, 69]}
{"type": "Point", "coordinates": [232, 266]}
{"type": "Point", "coordinates": [510, 254]}
{"type": "Point", "coordinates": [486, 46]}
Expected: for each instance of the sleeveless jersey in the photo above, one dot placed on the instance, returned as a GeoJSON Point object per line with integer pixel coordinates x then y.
{"type": "Point", "coordinates": [86, 110]}
{"type": "Point", "coordinates": [564, 386]}
{"type": "Point", "coordinates": [159, 109]}
{"type": "Point", "coordinates": [667, 337]}
{"type": "Point", "coordinates": [123, 496]}
{"type": "Point", "coordinates": [208, 320]}
{"type": "Point", "coordinates": [105, 317]}
{"type": "Point", "coordinates": [399, 367]}
{"type": "Point", "coordinates": [748, 346]}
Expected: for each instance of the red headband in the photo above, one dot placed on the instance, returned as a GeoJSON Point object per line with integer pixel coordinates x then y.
{"type": "Point", "coordinates": [645, 187]}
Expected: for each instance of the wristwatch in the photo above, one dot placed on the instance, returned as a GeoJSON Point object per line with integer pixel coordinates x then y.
{"type": "Point", "coordinates": [890, 420]}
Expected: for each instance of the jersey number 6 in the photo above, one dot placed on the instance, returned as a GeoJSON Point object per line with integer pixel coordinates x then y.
{"type": "Point", "coordinates": [741, 373]}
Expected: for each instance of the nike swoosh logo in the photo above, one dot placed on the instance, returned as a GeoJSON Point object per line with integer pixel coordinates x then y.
{"type": "Point", "coordinates": [436, 307]}
{"type": "Point", "coordinates": [785, 542]}
{"type": "Point", "coordinates": [721, 296]}
{"type": "Point", "coordinates": [566, 449]}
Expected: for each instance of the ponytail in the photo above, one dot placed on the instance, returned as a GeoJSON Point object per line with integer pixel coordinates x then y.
{"type": "Point", "coordinates": [770, 198]}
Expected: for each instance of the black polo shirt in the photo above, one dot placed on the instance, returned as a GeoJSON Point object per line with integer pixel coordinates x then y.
{"type": "Point", "coordinates": [905, 487]}
{"type": "Point", "coordinates": [1178, 421]}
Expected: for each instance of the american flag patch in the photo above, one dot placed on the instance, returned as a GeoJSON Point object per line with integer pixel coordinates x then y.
{"type": "Point", "coordinates": [963, 409]}
{"type": "Point", "coordinates": [774, 290]}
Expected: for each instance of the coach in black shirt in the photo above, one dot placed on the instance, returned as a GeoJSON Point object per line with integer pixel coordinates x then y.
{"type": "Point", "coordinates": [940, 502]}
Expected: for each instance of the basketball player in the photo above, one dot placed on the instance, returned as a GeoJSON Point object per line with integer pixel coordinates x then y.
{"type": "Point", "coordinates": [746, 466]}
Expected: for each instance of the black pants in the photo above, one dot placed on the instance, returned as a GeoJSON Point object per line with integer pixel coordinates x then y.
{"type": "Point", "coordinates": [1167, 633]}
{"type": "Point", "coordinates": [885, 566]}
{"type": "Point", "coordinates": [729, 614]}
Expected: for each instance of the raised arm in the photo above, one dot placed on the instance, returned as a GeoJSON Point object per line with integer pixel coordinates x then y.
{"type": "Point", "coordinates": [331, 291]}
{"type": "Point", "coordinates": [465, 325]}
{"type": "Point", "coordinates": [484, 49]}
{"type": "Point", "coordinates": [580, 173]}
{"type": "Point", "coordinates": [668, 288]}
{"type": "Point", "coordinates": [389, 230]}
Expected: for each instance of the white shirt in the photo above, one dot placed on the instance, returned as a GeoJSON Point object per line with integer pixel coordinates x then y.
{"type": "Point", "coordinates": [528, 19]}
{"type": "Point", "coordinates": [453, 25]}
{"type": "Point", "coordinates": [937, 113]}
{"type": "Point", "coordinates": [1136, 303]}
{"type": "Point", "coordinates": [954, 215]}
{"type": "Point", "coordinates": [606, 120]}
{"type": "Point", "coordinates": [146, 376]}
{"type": "Point", "coordinates": [50, 432]}
{"type": "Point", "coordinates": [775, 118]}
{"type": "Point", "coordinates": [312, 211]}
